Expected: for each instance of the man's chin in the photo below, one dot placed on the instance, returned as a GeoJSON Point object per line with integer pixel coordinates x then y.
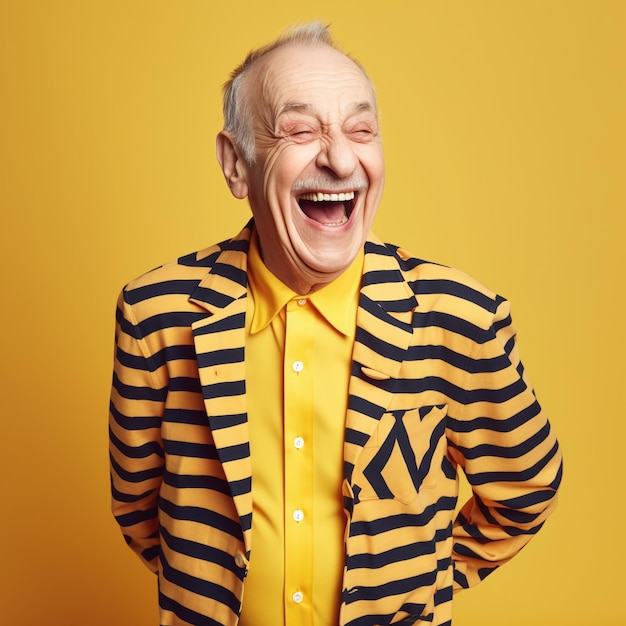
{"type": "Point", "coordinates": [323, 265]}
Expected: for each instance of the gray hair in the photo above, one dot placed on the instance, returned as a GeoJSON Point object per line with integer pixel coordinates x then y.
{"type": "Point", "coordinates": [238, 115]}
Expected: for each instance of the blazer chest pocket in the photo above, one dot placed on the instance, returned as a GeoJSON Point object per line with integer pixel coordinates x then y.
{"type": "Point", "coordinates": [404, 455]}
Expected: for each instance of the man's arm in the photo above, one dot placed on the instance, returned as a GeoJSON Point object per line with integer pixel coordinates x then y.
{"type": "Point", "coordinates": [509, 454]}
{"type": "Point", "coordinates": [136, 452]}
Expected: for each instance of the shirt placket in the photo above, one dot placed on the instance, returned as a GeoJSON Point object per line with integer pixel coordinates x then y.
{"type": "Point", "coordinates": [298, 455]}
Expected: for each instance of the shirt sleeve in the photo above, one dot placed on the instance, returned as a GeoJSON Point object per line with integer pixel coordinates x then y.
{"type": "Point", "coordinates": [135, 447]}
{"type": "Point", "coordinates": [509, 453]}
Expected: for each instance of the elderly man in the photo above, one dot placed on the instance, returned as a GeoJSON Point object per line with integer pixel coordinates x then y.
{"type": "Point", "coordinates": [291, 408]}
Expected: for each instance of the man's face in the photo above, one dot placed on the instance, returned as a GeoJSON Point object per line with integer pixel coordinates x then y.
{"type": "Point", "coordinates": [318, 176]}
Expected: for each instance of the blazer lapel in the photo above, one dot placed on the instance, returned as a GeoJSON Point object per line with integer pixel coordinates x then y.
{"type": "Point", "coordinates": [219, 343]}
{"type": "Point", "coordinates": [383, 335]}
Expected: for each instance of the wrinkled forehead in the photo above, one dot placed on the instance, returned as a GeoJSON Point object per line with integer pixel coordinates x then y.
{"type": "Point", "coordinates": [314, 74]}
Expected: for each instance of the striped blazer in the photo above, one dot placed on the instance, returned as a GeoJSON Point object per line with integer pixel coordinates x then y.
{"type": "Point", "coordinates": [436, 386]}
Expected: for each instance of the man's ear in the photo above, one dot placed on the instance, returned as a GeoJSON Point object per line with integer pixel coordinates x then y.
{"type": "Point", "coordinates": [233, 165]}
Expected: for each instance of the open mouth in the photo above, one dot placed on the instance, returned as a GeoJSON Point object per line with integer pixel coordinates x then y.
{"type": "Point", "coordinates": [328, 209]}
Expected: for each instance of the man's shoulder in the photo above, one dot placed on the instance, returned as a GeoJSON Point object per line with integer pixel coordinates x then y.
{"type": "Point", "coordinates": [441, 288]}
{"type": "Point", "coordinates": [192, 266]}
{"type": "Point", "coordinates": [183, 274]}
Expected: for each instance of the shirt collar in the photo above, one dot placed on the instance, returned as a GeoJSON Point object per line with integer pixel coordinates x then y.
{"type": "Point", "coordinates": [337, 301]}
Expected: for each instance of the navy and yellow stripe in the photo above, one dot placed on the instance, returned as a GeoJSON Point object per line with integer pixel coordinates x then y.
{"type": "Point", "coordinates": [436, 387]}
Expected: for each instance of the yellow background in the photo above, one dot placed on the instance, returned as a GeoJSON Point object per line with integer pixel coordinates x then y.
{"type": "Point", "coordinates": [505, 145]}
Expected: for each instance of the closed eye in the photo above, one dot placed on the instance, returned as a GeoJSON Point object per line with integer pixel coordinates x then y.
{"type": "Point", "coordinates": [302, 135]}
{"type": "Point", "coordinates": [361, 133]}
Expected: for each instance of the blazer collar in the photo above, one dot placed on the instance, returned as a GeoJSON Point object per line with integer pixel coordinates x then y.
{"type": "Point", "coordinates": [382, 282]}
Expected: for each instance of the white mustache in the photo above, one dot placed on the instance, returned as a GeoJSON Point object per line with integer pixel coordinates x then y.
{"type": "Point", "coordinates": [326, 183]}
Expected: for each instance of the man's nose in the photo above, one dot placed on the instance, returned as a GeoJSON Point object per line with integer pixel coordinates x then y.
{"type": "Point", "coordinates": [337, 154]}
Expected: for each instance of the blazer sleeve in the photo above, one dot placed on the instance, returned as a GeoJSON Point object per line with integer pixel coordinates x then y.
{"type": "Point", "coordinates": [509, 453]}
{"type": "Point", "coordinates": [135, 446]}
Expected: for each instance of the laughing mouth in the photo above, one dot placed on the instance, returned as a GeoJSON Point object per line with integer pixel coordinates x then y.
{"type": "Point", "coordinates": [328, 209]}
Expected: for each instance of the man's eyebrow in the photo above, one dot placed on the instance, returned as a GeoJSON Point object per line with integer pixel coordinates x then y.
{"type": "Point", "coordinates": [300, 107]}
{"type": "Point", "coordinates": [366, 105]}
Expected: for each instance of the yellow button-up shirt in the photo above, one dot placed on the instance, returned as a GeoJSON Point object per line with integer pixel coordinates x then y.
{"type": "Point", "coordinates": [298, 355]}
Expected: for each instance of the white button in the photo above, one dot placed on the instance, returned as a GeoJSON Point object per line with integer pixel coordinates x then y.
{"type": "Point", "coordinates": [301, 302]}
{"type": "Point", "coordinates": [298, 515]}
{"type": "Point", "coordinates": [297, 597]}
{"type": "Point", "coordinates": [298, 442]}
{"type": "Point", "coordinates": [298, 366]}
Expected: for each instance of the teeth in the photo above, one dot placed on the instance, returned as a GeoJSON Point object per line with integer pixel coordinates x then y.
{"type": "Point", "coordinates": [327, 197]}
